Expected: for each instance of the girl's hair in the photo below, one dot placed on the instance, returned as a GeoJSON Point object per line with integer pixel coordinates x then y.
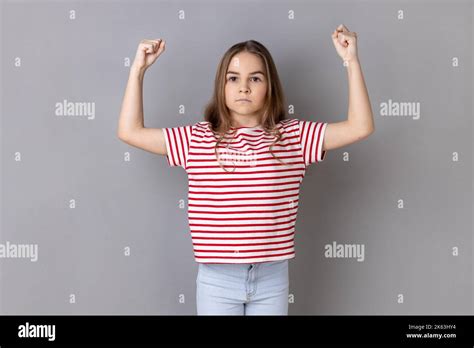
{"type": "Point", "coordinates": [216, 111]}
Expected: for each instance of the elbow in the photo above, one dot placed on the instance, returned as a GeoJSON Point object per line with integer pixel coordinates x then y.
{"type": "Point", "coordinates": [369, 131]}
{"type": "Point", "coordinates": [365, 133]}
{"type": "Point", "coordinates": [362, 130]}
{"type": "Point", "coordinates": [121, 135]}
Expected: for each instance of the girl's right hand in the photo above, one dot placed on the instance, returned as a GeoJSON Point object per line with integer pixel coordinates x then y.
{"type": "Point", "coordinates": [148, 51]}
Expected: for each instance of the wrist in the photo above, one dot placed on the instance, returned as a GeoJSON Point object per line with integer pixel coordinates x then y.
{"type": "Point", "coordinates": [351, 61]}
{"type": "Point", "coordinates": [137, 70]}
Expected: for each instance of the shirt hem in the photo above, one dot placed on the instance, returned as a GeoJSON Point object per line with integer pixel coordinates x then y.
{"type": "Point", "coordinates": [249, 261]}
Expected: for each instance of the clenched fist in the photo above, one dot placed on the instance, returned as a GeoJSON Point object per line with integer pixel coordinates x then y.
{"type": "Point", "coordinates": [148, 51]}
{"type": "Point", "coordinates": [345, 42]}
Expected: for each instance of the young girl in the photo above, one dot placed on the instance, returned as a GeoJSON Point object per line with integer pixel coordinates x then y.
{"type": "Point", "coordinates": [245, 164]}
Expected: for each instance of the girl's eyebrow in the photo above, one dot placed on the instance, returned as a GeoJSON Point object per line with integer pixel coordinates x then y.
{"type": "Point", "coordinates": [252, 73]}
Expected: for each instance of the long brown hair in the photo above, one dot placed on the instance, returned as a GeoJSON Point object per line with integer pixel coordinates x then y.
{"type": "Point", "coordinates": [274, 109]}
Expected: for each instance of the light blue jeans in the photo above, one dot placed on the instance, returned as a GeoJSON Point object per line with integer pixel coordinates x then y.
{"type": "Point", "coordinates": [242, 289]}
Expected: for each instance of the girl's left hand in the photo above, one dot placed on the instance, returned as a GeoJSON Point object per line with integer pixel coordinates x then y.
{"type": "Point", "coordinates": [345, 42]}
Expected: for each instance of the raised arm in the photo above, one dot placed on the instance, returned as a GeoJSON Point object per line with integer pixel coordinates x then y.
{"type": "Point", "coordinates": [131, 128]}
{"type": "Point", "coordinates": [360, 123]}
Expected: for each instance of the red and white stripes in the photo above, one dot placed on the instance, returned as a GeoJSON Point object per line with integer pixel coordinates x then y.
{"type": "Point", "coordinates": [246, 214]}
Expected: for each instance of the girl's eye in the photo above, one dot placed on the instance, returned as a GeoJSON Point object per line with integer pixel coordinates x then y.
{"type": "Point", "coordinates": [234, 77]}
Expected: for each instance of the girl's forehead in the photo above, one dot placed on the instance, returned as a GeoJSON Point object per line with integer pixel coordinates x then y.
{"type": "Point", "coordinates": [237, 62]}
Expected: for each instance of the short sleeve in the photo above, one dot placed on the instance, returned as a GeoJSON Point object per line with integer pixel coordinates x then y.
{"type": "Point", "coordinates": [311, 136]}
{"type": "Point", "coordinates": [177, 141]}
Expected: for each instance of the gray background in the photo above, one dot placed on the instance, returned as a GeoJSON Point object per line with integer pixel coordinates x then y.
{"type": "Point", "coordinates": [136, 203]}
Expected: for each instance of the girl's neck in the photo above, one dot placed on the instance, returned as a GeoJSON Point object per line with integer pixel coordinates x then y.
{"type": "Point", "coordinates": [236, 124]}
{"type": "Point", "coordinates": [249, 127]}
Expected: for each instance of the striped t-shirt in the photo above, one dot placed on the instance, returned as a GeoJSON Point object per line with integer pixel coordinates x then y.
{"type": "Point", "coordinates": [247, 214]}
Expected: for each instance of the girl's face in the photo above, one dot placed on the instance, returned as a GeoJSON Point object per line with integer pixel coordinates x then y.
{"type": "Point", "coordinates": [245, 79]}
